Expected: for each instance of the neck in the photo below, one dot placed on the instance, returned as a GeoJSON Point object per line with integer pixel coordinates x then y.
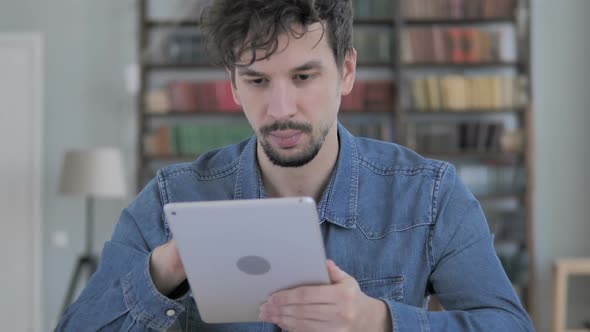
{"type": "Point", "coordinates": [308, 180]}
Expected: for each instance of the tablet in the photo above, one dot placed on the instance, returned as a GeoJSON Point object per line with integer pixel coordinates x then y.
{"type": "Point", "coordinates": [237, 253]}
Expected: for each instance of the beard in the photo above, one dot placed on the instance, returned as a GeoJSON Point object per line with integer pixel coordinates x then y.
{"type": "Point", "coordinates": [300, 159]}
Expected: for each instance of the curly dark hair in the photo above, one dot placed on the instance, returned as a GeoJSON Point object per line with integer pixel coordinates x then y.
{"type": "Point", "coordinates": [234, 27]}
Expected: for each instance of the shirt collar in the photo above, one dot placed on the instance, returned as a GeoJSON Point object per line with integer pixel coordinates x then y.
{"type": "Point", "coordinates": [338, 204]}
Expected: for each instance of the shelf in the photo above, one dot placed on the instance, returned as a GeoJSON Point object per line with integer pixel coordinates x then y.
{"type": "Point", "coordinates": [210, 117]}
{"type": "Point", "coordinates": [193, 114]}
{"type": "Point", "coordinates": [467, 65]}
{"type": "Point", "coordinates": [500, 196]}
{"type": "Point", "coordinates": [459, 21]}
{"type": "Point", "coordinates": [366, 112]}
{"type": "Point", "coordinates": [190, 23]}
{"type": "Point", "coordinates": [375, 64]}
{"type": "Point", "coordinates": [171, 23]}
{"type": "Point", "coordinates": [170, 158]}
{"type": "Point", "coordinates": [446, 112]}
{"type": "Point", "coordinates": [178, 65]}
{"type": "Point", "coordinates": [374, 21]}
{"type": "Point", "coordinates": [492, 156]}
{"type": "Point", "coordinates": [390, 121]}
{"type": "Point", "coordinates": [240, 113]}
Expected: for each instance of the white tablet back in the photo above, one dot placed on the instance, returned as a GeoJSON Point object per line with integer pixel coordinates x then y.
{"type": "Point", "coordinates": [237, 253]}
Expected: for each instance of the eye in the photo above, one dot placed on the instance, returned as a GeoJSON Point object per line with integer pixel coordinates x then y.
{"type": "Point", "coordinates": [303, 77]}
{"type": "Point", "coordinates": [257, 81]}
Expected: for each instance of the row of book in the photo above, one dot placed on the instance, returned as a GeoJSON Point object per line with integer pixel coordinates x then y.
{"type": "Point", "coordinates": [373, 8]}
{"type": "Point", "coordinates": [456, 93]}
{"type": "Point", "coordinates": [188, 140]}
{"type": "Point", "coordinates": [373, 44]}
{"type": "Point", "coordinates": [379, 130]}
{"type": "Point", "coordinates": [188, 96]}
{"type": "Point", "coordinates": [491, 179]}
{"type": "Point", "coordinates": [459, 45]}
{"type": "Point", "coordinates": [183, 45]}
{"type": "Point", "coordinates": [455, 138]}
{"type": "Point", "coordinates": [377, 96]}
{"type": "Point", "coordinates": [457, 9]}
{"type": "Point", "coordinates": [168, 10]}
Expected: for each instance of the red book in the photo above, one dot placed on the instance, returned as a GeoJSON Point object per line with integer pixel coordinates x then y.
{"type": "Point", "coordinates": [469, 45]}
{"type": "Point", "coordinates": [456, 45]}
{"type": "Point", "coordinates": [380, 95]}
{"type": "Point", "coordinates": [355, 100]}
{"type": "Point", "coordinates": [206, 100]}
{"type": "Point", "coordinates": [183, 96]}
{"type": "Point", "coordinates": [224, 99]}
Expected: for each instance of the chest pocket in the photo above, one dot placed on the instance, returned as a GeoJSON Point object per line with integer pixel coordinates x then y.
{"type": "Point", "coordinates": [385, 288]}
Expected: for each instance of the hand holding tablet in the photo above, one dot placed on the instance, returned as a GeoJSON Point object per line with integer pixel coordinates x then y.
{"type": "Point", "coordinates": [237, 253]}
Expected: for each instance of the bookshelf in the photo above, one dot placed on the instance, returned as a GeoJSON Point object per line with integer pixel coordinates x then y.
{"type": "Point", "coordinates": [447, 78]}
{"type": "Point", "coordinates": [466, 63]}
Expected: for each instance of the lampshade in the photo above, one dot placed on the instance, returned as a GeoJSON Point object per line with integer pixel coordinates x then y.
{"type": "Point", "coordinates": [97, 173]}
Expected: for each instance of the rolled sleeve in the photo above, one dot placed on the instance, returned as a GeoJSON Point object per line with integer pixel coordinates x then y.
{"type": "Point", "coordinates": [145, 303]}
{"type": "Point", "coordinates": [406, 318]}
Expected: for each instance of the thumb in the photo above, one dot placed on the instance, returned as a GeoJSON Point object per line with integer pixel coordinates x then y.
{"type": "Point", "coordinates": [336, 274]}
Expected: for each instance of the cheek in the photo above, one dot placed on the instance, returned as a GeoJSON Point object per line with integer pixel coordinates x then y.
{"type": "Point", "coordinates": [321, 100]}
{"type": "Point", "coordinates": [251, 102]}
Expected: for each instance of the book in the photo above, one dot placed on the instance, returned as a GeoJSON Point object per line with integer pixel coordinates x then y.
{"type": "Point", "coordinates": [380, 95]}
{"type": "Point", "coordinates": [456, 9]}
{"type": "Point", "coordinates": [356, 99]}
{"type": "Point", "coordinates": [183, 96]}
{"type": "Point", "coordinates": [434, 97]}
{"type": "Point", "coordinates": [224, 100]}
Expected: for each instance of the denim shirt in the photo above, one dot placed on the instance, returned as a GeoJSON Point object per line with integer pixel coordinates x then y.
{"type": "Point", "coordinates": [402, 225]}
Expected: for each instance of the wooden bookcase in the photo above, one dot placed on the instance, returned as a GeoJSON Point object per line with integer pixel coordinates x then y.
{"type": "Point", "coordinates": [509, 208]}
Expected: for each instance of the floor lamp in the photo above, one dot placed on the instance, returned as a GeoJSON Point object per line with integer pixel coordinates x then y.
{"type": "Point", "coordinates": [91, 174]}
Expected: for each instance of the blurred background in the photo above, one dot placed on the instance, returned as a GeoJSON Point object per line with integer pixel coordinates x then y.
{"type": "Point", "coordinates": [500, 88]}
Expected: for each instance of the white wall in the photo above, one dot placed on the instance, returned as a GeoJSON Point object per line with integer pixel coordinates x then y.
{"type": "Point", "coordinates": [561, 69]}
{"type": "Point", "coordinates": [87, 45]}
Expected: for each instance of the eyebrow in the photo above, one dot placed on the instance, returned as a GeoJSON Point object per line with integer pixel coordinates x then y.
{"type": "Point", "coordinates": [248, 72]}
{"type": "Point", "coordinates": [314, 64]}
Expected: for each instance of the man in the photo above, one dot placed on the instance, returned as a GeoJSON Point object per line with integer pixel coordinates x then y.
{"type": "Point", "coordinates": [397, 227]}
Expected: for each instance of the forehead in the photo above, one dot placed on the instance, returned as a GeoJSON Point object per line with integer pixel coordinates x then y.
{"type": "Point", "coordinates": [294, 48]}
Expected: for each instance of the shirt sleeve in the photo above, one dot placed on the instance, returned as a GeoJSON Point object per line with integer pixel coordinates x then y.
{"type": "Point", "coordinates": [121, 294]}
{"type": "Point", "coordinates": [466, 274]}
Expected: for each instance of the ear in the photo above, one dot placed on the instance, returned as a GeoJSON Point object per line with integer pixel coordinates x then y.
{"type": "Point", "coordinates": [348, 72]}
{"type": "Point", "coordinates": [234, 90]}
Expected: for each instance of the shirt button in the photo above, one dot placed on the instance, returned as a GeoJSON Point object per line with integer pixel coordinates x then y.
{"type": "Point", "coordinates": [170, 312]}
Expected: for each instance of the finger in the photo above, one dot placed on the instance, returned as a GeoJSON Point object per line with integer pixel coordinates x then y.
{"type": "Point", "coordinates": [327, 294]}
{"type": "Point", "coordinates": [336, 274]}
{"type": "Point", "coordinates": [319, 312]}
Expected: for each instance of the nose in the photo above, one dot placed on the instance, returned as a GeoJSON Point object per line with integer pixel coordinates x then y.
{"type": "Point", "coordinates": [282, 101]}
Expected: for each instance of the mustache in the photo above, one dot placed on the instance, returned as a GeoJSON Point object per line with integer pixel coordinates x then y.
{"type": "Point", "coordinates": [286, 125]}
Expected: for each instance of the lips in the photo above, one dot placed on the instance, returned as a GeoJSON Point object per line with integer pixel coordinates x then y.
{"type": "Point", "coordinates": [286, 138]}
